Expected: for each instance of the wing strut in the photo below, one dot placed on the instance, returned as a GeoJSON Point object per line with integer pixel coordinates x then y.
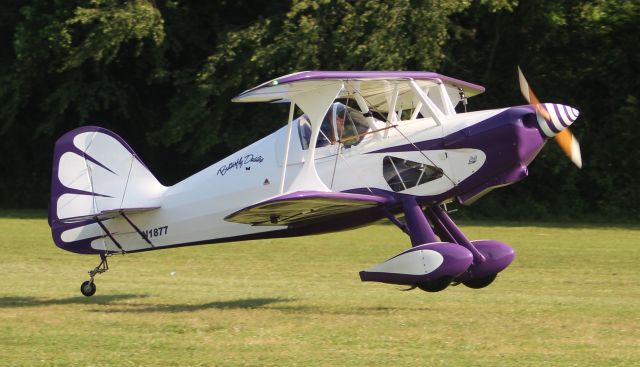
{"type": "Point", "coordinates": [403, 227]}
{"type": "Point", "coordinates": [142, 234]}
{"type": "Point", "coordinates": [427, 102]}
{"type": "Point", "coordinates": [109, 234]}
{"type": "Point", "coordinates": [286, 149]}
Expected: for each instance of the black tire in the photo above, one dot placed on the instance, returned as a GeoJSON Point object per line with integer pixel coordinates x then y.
{"type": "Point", "coordinates": [435, 285]}
{"type": "Point", "coordinates": [480, 282]}
{"type": "Point", "coordinates": [88, 288]}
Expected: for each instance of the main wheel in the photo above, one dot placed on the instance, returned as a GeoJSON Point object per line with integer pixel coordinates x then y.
{"type": "Point", "coordinates": [435, 285]}
{"type": "Point", "coordinates": [480, 282]}
{"type": "Point", "coordinates": [88, 288]}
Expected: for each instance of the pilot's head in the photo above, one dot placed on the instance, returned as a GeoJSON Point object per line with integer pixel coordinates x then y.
{"type": "Point", "coordinates": [340, 113]}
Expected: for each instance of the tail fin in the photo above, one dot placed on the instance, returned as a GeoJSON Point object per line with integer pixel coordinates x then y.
{"type": "Point", "coordinates": [95, 171]}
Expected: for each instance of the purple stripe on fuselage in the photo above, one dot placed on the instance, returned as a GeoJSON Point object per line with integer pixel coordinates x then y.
{"type": "Point", "coordinates": [510, 141]}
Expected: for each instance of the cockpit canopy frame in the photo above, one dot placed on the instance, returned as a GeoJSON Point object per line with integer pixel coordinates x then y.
{"type": "Point", "coordinates": [394, 96]}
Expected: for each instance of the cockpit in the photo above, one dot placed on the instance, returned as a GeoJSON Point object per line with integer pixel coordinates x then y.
{"type": "Point", "coordinates": [341, 125]}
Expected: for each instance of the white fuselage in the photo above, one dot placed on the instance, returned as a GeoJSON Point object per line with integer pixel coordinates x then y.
{"type": "Point", "coordinates": [193, 210]}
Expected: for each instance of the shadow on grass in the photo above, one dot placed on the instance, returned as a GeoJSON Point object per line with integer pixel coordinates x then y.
{"type": "Point", "coordinates": [254, 303]}
{"type": "Point", "coordinates": [348, 310]}
{"type": "Point", "coordinates": [11, 302]}
{"type": "Point", "coordinates": [113, 306]}
{"type": "Point", "coordinates": [247, 303]}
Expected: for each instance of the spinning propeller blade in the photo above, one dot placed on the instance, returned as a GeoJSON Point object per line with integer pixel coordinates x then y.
{"type": "Point", "coordinates": [554, 120]}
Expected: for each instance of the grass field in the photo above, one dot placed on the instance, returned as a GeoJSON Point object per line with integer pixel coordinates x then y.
{"type": "Point", "coordinates": [571, 298]}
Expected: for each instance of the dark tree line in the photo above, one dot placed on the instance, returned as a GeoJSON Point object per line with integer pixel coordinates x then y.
{"type": "Point", "coordinates": [162, 73]}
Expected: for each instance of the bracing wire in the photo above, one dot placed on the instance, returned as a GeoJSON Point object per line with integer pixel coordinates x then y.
{"type": "Point", "coordinates": [126, 184]}
{"type": "Point", "coordinates": [424, 155]}
{"type": "Point", "coordinates": [372, 108]}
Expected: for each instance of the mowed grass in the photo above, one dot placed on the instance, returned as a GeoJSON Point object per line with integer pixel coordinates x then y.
{"type": "Point", "coordinates": [571, 298]}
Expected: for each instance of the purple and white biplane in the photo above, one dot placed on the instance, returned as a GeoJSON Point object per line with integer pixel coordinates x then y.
{"type": "Point", "coordinates": [367, 145]}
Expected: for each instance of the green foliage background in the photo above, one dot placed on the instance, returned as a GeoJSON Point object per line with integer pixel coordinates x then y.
{"type": "Point", "coordinates": [162, 73]}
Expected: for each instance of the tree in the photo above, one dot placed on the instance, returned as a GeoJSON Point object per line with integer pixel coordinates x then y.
{"type": "Point", "coordinates": [162, 73]}
{"type": "Point", "coordinates": [580, 53]}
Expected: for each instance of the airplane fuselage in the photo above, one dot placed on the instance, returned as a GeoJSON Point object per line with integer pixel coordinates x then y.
{"type": "Point", "coordinates": [476, 152]}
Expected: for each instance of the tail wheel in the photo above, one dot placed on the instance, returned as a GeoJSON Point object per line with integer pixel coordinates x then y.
{"type": "Point", "coordinates": [480, 282]}
{"type": "Point", "coordinates": [435, 285]}
{"type": "Point", "coordinates": [88, 288]}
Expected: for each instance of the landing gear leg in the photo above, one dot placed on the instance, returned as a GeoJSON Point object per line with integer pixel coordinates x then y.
{"type": "Point", "coordinates": [88, 287]}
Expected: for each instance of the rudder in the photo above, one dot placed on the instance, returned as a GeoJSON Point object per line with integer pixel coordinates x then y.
{"type": "Point", "coordinates": [95, 170]}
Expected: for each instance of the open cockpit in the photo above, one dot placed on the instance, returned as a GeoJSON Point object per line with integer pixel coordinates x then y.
{"type": "Point", "coordinates": [344, 118]}
{"type": "Point", "coordinates": [341, 124]}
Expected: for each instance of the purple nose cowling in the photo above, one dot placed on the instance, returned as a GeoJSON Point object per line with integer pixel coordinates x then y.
{"type": "Point", "coordinates": [559, 118]}
{"type": "Point", "coordinates": [498, 256]}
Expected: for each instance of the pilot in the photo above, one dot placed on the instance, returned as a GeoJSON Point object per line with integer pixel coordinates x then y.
{"type": "Point", "coordinates": [347, 132]}
{"type": "Point", "coordinates": [330, 132]}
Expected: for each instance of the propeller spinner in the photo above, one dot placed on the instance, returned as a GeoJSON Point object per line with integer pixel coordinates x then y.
{"type": "Point", "coordinates": [554, 120]}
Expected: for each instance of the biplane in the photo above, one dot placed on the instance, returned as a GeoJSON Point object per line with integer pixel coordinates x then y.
{"type": "Point", "coordinates": [358, 147]}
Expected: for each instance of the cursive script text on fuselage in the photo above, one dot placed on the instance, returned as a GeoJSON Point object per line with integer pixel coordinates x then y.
{"type": "Point", "coordinates": [239, 163]}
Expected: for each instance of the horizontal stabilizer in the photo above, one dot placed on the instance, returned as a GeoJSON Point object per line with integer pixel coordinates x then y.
{"type": "Point", "coordinates": [303, 206]}
{"type": "Point", "coordinates": [108, 214]}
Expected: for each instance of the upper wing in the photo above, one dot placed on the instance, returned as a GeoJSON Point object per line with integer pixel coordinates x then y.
{"type": "Point", "coordinates": [302, 206]}
{"type": "Point", "coordinates": [373, 86]}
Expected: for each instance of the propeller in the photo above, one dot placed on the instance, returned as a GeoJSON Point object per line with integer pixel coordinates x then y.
{"type": "Point", "coordinates": [554, 120]}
